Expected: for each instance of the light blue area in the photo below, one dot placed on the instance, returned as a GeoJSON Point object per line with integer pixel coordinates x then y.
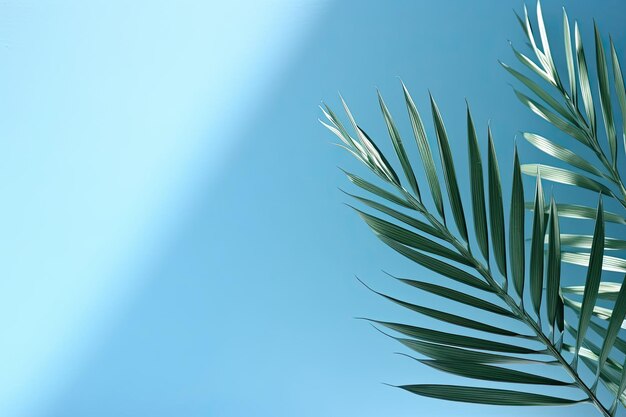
{"type": "Point", "coordinates": [174, 240]}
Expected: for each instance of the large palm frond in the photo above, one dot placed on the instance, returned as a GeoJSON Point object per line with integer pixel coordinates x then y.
{"type": "Point", "coordinates": [401, 218]}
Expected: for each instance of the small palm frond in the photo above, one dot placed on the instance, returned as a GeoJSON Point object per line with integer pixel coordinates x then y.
{"type": "Point", "coordinates": [570, 103]}
{"type": "Point", "coordinates": [400, 216]}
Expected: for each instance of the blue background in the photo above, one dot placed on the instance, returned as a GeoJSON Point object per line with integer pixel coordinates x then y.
{"type": "Point", "coordinates": [174, 241]}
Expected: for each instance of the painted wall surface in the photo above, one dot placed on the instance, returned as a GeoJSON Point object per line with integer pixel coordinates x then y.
{"type": "Point", "coordinates": [174, 242]}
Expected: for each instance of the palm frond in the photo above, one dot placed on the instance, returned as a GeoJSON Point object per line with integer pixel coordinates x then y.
{"type": "Point", "coordinates": [603, 176]}
{"type": "Point", "coordinates": [561, 107]}
{"type": "Point", "coordinates": [403, 221]}
{"type": "Point", "coordinates": [422, 236]}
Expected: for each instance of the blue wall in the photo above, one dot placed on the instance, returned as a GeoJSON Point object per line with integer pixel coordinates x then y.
{"type": "Point", "coordinates": [175, 243]}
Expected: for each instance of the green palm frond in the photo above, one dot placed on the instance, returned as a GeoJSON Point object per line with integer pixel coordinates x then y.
{"type": "Point", "coordinates": [562, 108]}
{"type": "Point", "coordinates": [421, 235]}
{"type": "Point", "coordinates": [508, 296]}
{"type": "Point", "coordinates": [571, 108]}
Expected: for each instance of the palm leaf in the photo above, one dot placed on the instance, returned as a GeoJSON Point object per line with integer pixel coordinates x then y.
{"type": "Point", "coordinates": [600, 312]}
{"type": "Point", "coordinates": [609, 263]}
{"type": "Point", "coordinates": [620, 89]}
{"type": "Point", "coordinates": [425, 152]}
{"type": "Point", "coordinates": [592, 282]}
{"type": "Point", "coordinates": [615, 323]}
{"type": "Point", "coordinates": [450, 353]}
{"type": "Point", "coordinates": [569, 58]}
{"type": "Point", "coordinates": [479, 395]}
{"type": "Point", "coordinates": [561, 153]}
{"type": "Point", "coordinates": [491, 373]}
{"type": "Point", "coordinates": [447, 317]}
{"type": "Point", "coordinates": [516, 235]}
{"type": "Point", "coordinates": [536, 250]}
{"type": "Point", "coordinates": [565, 176]}
{"type": "Point", "coordinates": [584, 241]}
{"type": "Point", "coordinates": [459, 297]}
{"type": "Point", "coordinates": [577, 211]}
{"type": "Point", "coordinates": [606, 291]}
{"type": "Point", "coordinates": [404, 223]}
{"type": "Point", "coordinates": [541, 93]}
{"type": "Point", "coordinates": [436, 265]}
{"type": "Point", "coordinates": [599, 175]}
{"type": "Point", "coordinates": [376, 158]}
{"type": "Point", "coordinates": [376, 190]}
{"type": "Point", "coordinates": [451, 339]}
{"type": "Point", "coordinates": [551, 117]}
{"type": "Point", "coordinates": [619, 343]}
{"type": "Point", "coordinates": [553, 298]}
{"type": "Point", "coordinates": [403, 218]}
{"type": "Point", "coordinates": [567, 115]}
{"type": "Point", "coordinates": [478, 188]}
{"type": "Point", "coordinates": [413, 238]}
{"type": "Point", "coordinates": [605, 97]}
{"type": "Point", "coordinates": [399, 147]}
{"type": "Point", "coordinates": [496, 210]}
{"type": "Point", "coordinates": [583, 76]}
{"type": "Point", "coordinates": [409, 238]}
{"type": "Point", "coordinates": [449, 173]}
